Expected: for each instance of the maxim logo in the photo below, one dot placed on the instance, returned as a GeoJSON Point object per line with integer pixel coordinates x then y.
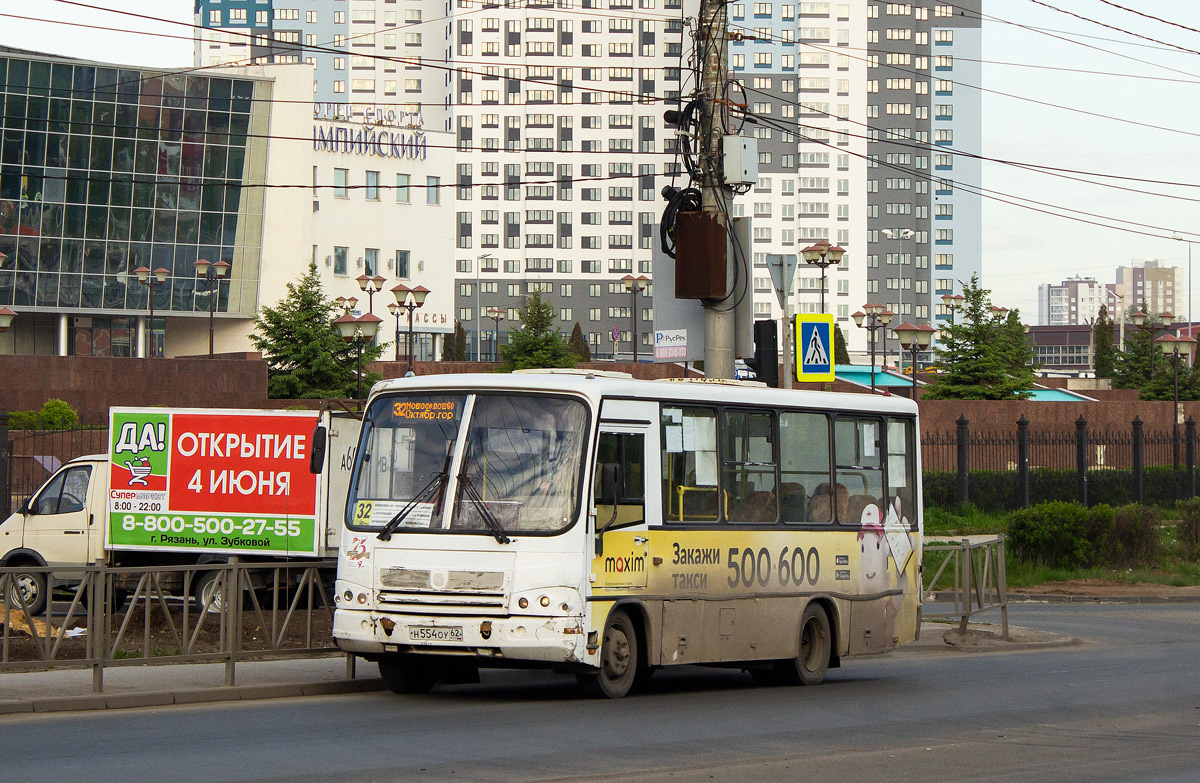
{"type": "Point", "coordinates": [621, 565]}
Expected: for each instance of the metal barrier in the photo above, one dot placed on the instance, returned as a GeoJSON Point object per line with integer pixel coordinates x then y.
{"type": "Point", "coordinates": [152, 615]}
{"type": "Point", "coordinates": [977, 565]}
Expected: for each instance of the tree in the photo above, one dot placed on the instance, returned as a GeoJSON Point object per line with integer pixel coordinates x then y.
{"type": "Point", "coordinates": [538, 343]}
{"type": "Point", "coordinates": [306, 355]}
{"type": "Point", "coordinates": [454, 347]}
{"type": "Point", "coordinates": [1102, 334]}
{"type": "Point", "coordinates": [578, 345]}
{"type": "Point", "coordinates": [1141, 361]}
{"type": "Point", "coordinates": [985, 354]}
{"type": "Point", "coordinates": [840, 354]}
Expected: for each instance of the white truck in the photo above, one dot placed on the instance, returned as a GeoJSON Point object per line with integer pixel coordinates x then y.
{"type": "Point", "coordinates": [186, 487]}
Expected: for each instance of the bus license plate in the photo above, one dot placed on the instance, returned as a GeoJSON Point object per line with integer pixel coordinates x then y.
{"type": "Point", "coordinates": [424, 633]}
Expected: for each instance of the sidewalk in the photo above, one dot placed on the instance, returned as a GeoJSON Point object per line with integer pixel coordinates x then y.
{"type": "Point", "coordinates": [155, 686]}
{"type": "Point", "coordinates": [152, 686]}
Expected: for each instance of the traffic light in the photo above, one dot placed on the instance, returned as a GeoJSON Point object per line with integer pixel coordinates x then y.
{"type": "Point", "coordinates": [766, 352]}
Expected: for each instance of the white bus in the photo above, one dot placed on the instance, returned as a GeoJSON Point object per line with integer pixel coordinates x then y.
{"type": "Point", "coordinates": [606, 527]}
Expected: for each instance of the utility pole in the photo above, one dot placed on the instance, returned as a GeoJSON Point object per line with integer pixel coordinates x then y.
{"type": "Point", "coordinates": [712, 39]}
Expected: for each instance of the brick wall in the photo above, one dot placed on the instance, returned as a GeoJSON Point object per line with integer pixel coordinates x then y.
{"type": "Point", "coordinates": [91, 384]}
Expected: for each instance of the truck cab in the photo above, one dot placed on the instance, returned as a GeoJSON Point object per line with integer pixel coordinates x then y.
{"type": "Point", "coordinates": [61, 525]}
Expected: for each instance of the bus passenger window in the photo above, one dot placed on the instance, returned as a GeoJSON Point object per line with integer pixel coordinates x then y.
{"type": "Point", "coordinates": [689, 464]}
{"type": "Point", "coordinates": [857, 445]}
{"type": "Point", "coordinates": [805, 468]}
{"type": "Point", "coordinates": [749, 484]}
{"type": "Point", "coordinates": [627, 450]}
{"type": "Point", "coordinates": [901, 471]}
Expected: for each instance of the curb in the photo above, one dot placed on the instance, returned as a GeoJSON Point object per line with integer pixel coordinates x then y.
{"type": "Point", "coordinates": [118, 701]}
{"type": "Point", "coordinates": [1059, 598]}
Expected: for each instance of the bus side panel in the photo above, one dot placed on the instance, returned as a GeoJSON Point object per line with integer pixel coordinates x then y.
{"type": "Point", "coordinates": [732, 595]}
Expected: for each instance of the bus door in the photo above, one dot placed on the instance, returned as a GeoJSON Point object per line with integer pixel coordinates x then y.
{"type": "Point", "coordinates": [620, 524]}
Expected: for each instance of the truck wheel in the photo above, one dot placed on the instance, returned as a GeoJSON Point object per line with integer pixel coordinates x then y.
{"type": "Point", "coordinates": [816, 644]}
{"type": "Point", "coordinates": [31, 588]}
{"type": "Point", "coordinates": [618, 660]}
{"type": "Point", "coordinates": [409, 673]}
{"type": "Point", "coordinates": [206, 593]}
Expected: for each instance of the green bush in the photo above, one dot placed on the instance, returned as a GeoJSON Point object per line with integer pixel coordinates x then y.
{"type": "Point", "coordinates": [54, 415]}
{"type": "Point", "coordinates": [1188, 528]}
{"type": "Point", "coordinates": [1054, 534]}
{"type": "Point", "coordinates": [59, 415]}
{"type": "Point", "coordinates": [1065, 535]}
{"type": "Point", "coordinates": [1135, 538]}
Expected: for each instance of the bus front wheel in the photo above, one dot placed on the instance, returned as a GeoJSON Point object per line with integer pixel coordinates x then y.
{"type": "Point", "coordinates": [618, 660]}
{"type": "Point", "coordinates": [409, 673]}
{"type": "Point", "coordinates": [816, 645]}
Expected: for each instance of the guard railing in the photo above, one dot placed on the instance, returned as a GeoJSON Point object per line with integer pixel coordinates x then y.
{"type": "Point", "coordinates": [971, 568]}
{"type": "Point", "coordinates": [100, 617]}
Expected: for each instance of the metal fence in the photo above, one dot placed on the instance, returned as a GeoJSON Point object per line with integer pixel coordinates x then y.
{"type": "Point", "coordinates": [102, 617]}
{"type": "Point", "coordinates": [32, 455]}
{"type": "Point", "coordinates": [972, 567]}
{"type": "Point", "coordinates": [1011, 469]}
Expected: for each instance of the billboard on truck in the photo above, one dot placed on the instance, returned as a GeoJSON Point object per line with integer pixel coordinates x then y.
{"type": "Point", "coordinates": [234, 482]}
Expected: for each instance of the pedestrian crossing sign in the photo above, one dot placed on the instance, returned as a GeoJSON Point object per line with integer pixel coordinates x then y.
{"type": "Point", "coordinates": [814, 348]}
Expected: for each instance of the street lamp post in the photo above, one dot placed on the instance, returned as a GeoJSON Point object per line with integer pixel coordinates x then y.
{"type": "Point", "coordinates": [358, 331]}
{"type": "Point", "coordinates": [915, 338]}
{"type": "Point", "coordinates": [410, 299]}
{"type": "Point", "coordinates": [824, 255]}
{"type": "Point", "coordinates": [218, 271]}
{"type": "Point", "coordinates": [6, 318]}
{"type": "Point", "coordinates": [635, 285]}
{"type": "Point", "coordinates": [151, 279]}
{"type": "Point", "coordinates": [497, 315]}
{"type": "Point", "coordinates": [478, 342]}
{"type": "Point", "coordinates": [372, 285]}
{"type": "Point", "coordinates": [395, 309]}
{"type": "Point", "coordinates": [873, 317]}
{"type": "Point", "coordinates": [899, 234]}
{"type": "Point", "coordinates": [1176, 347]}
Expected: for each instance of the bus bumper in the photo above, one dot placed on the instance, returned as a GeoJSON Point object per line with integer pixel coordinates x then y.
{"type": "Point", "coordinates": [519, 637]}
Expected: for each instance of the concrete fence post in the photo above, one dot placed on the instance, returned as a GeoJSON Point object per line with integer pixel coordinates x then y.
{"type": "Point", "coordinates": [5, 467]}
{"type": "Point", "coordinates": [1081, 459]}
{"type": "Point", "coordinates": [1023, 460]}
{"type": "Point", "coordinates": [1139, 475]}
{"type": "Point", "coordinates": [963, 459]}
{"type": "Point", "coordinates": [1189, 429]}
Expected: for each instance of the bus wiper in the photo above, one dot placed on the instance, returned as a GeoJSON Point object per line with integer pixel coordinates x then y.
{"type": "Point", "coordinates": [493, 524]}
{"type": "Point", "coordinates": [435, 487]}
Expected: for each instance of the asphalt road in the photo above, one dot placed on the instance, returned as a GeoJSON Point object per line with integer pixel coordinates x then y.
{"type": "Point", "coordinates": [1124, 706]}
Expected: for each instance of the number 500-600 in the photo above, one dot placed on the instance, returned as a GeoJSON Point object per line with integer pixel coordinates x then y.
{"type": "Point", "coordinates": [793, 566]}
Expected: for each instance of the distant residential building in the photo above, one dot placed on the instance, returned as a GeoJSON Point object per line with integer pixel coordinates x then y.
{"type": "Point", "coordinates": [1075, 301]}
{"type": "Point", "coordinates": [1150, 282]}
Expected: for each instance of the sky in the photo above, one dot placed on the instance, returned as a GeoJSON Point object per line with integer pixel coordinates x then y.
{"type": "Point", "coordinates": [1059, 91]}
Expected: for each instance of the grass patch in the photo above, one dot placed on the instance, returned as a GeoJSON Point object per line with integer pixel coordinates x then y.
{"type": "Point", "coordinates": [1170, 565]}
{"type": "Point", "coordinates": [964, 521]}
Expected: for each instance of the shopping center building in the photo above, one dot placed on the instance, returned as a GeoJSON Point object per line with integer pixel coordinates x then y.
{"type": "Point", "coordinates": [106, 169]}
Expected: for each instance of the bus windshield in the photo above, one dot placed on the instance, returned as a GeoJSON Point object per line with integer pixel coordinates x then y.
{"type": "Point", "coordinates": [521, 469]}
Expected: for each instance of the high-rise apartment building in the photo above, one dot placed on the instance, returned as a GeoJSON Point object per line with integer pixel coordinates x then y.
{"type": "Point", "coordinates": [561, 148]}
{"type": "Point", "coordinates": [923, 107]}
{"type": "Point", "coordinates": [1152, 286]}
{"type": "Point", "coordinates": [1075, 301]}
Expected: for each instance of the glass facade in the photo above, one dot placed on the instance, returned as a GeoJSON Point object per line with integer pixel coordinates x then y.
{"type": "Point", "coordinates": [104, 170]}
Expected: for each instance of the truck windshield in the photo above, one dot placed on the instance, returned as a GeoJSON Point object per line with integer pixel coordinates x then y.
{"type": "Point", "coordinates": [520, 473]}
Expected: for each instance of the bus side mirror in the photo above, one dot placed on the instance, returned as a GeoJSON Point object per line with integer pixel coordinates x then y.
{"type": "Point", "coordinates": [316, 453]}
{"type": "Point", "coordinates": [610, 481]}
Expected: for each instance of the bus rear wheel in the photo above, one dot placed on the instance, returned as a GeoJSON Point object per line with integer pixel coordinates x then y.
{"type": "Point", "coordinates": [409, 673]}
{"type": "Point", "coordinates": [618, 660]}
{"type": "Point", "coordinates": [816, 647]}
